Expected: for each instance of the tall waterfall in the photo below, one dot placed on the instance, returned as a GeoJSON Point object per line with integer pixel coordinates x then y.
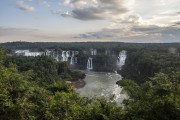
{"type": "Point", "coordinates": [90, 64]}
{"type": "Point", "coordinates": [121, 58]}
{"type": "Point", "coordinates": [57, 56]}
{"type": "Point", "coordinates": [72, 58]}
{"type": "Point", "coordinates": [64, 56]}
{"type": "Point", "coordinates": [67, 54]}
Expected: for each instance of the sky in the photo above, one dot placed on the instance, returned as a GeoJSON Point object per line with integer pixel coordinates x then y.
{"type": "Point", "coordinates": [137, 21]}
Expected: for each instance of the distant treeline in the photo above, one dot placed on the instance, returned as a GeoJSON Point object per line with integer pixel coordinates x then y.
{"type": "Point", "coordinates": [82, 45]}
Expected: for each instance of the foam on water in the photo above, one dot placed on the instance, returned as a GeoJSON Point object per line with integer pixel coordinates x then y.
{"type": "Point", "coordinates": [102, 84]}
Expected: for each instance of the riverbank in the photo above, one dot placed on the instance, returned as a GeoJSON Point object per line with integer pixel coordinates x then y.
{"type": "Point", "coordinates": [80, 83]}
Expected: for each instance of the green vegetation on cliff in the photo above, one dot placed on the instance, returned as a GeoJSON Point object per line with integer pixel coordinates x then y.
{"type": "Point", "coordinates": [35, 89]}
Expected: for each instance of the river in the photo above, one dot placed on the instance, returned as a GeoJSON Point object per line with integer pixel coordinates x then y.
{"type": "Point", "coordinates": [102, 84]}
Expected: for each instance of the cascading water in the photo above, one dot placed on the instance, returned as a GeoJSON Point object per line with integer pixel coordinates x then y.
{"type": "Point", "coordinates": [117, 89]}
{"type": "Point", "coordinates": [57, 57]}
{"type": "Point", "coordinates": [64, 56]}
{"type": "Point", "coordinates": [67, 55]}
{"type": "Point", "coordinates": [72, 58]}
{"type": "Point", "coordinates": [93, 52]}
{"type": "Point", "coordinates": [89, 64]}
{"type": "Point", "coordinates": [121, 58]}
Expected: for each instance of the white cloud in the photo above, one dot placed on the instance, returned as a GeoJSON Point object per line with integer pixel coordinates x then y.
{"type": "Point", "coordinates": [23, 6]}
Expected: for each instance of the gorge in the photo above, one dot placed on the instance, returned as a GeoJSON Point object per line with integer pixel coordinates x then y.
{"type": "Point", "coordinates": [98, 83]}
{"type": "Point", "coordinates": [103, 83]}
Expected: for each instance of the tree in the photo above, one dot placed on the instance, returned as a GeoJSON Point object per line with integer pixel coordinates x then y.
{"type": "Point", "coordinates": [157, 99]}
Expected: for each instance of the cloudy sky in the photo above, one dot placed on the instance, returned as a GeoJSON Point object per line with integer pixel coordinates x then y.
{"type": "Point", "coordinates": [144, 21]}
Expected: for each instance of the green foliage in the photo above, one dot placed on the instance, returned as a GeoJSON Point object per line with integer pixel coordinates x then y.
{"type": "Point", "coordinates": [45, 68]}
{"type": "Point", "coordinates": [142, 63]}
{"type": "Point", "coordinates": [63, 67]}
{"type": "Point", "coordinates": [35, 89]}
{"type": "Point", "coordinates": [157, 99]}
{"type": "Point", "coordinates": [104, 63]}
{"type": "Point", "coordinates": [2, 55]}
{"type": "Point", "coordinates": [15, 93]}
{"type": "Point", "coordinates": [22, 98]}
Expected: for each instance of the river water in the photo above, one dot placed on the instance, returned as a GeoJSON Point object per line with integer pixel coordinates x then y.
{"type": "Point", "coordinates": [102, 84]}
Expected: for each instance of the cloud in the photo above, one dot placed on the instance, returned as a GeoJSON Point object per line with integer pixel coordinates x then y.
{"type": "Point", "coordinates": [23, 6]}
{"type": "Point", "coordinates": [138, 33]}
{"type": "Point", "coordinates": [116, 34]}
{"type": "Point", "coordinates": [124, 19]}
{"type": "Point", "coordinates": [126, 22]}
{"type": "Point", "coordinates": [148, 28]}
{"type": "Point", "coordinates": [88, 14]}
{"type": "Point", "coordinates": [177, 23]}
{"type": "Point", "coordinates": [66, 14]}
{"type": "Point", "coordinates": [97, 9]}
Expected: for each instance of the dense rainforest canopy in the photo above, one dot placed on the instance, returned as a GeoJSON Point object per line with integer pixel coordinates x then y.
{"type": "Point", "coordinates": [30, 90]}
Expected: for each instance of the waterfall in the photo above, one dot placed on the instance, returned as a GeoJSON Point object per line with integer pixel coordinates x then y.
{"type": "Point", "coordinates": [121, 58]}
{"type": "Point", "coordinates": [67, 55]}
{"type": "Point", "coordinates": [63, 56]}
{"type": "Point", "coordinates": [72, 58]}
{"type": "Point", "coordinates": [57, 56]}
{"type": "Point", "coordinates": [93, 52]}
{"type": "Point", "coordinates": [89, 64]}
